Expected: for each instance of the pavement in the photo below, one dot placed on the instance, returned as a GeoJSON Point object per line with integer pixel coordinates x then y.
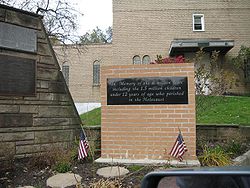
{"type": "Point", "coordinates": [177, 163]}
{"type": "Point", "coordinates": [63, 180]}
{"type": "Point", "coordinates": [112, 171]}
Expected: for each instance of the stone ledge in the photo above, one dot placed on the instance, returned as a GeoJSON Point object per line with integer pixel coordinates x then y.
{"type": "Point", "coordinates": [187, 163]}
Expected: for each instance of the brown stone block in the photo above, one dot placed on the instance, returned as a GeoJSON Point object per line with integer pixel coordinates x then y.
{"type": "Point", "coordinates": [2, 14]}
{"type": "Point", "coordinates": [54, 121]}
{"type": "Point", "coordinates": [24, 142]}
{"type": "Point", "coordinates": [53, 136]}
{"type": "Point", "coordinates": [16, 120]}
{"type": "Point", "coordinates": [44, 84]}
{"type": "Point", "coordinates": [29, 109]}
{"type": "Point", "coordinates": [30, 149]}
{"type": "Point", "coordinates": [16, 136]}
{"type": "Point", "coordinates": [47, 74]}
{"type": "Point", "coordinates": [57, 87]}
{"type": "Point", "coordinates": [53, 97]}
{"type": "Point", "coordinates": [55, 111]}
{"type": "Point", "coordinates": [22, 19]}
{"type": "Point", "coordinates": [7, 148]}
{"type": "Point", "coordinates": [9, 108]}
{"type": "Point", "coordinates": [43, 49]}
{"type": "Point", "coordinates": [46, 60]}
{"type": "Point", "coordinates": [41, 36]}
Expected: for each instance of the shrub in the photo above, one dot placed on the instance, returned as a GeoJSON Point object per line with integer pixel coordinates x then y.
{"type": "Point", "coordinates": [63, 158]}
{"type": "Point", "coordinates": [233, 148]}
{"type": "Point", "coordinates": [62, 167]}
{"type": "Point", "coordinates": [168, 60]}
{"type": "Point", "coordinates": [42, 160]}
{"type": "Point", "coordinates": [214, 156]}
{"type": "Point", "coordinates": [235, 144]}
{"type": "Point", "coordinates": [59, 159]}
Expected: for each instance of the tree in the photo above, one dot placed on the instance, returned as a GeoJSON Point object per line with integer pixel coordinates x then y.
{"type": "Point", "coordinates": [97, 36]}
{"type": "Point", "coordinates": [242, 61]}
{"type": "Point", "coordinates": [60, 18]}
{"type": "Point", "coordinates": [211, 77]}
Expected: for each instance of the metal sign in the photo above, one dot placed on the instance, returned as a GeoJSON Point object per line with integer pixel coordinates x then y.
{"type": "Point", "coordinates": [17, 76]}
{"type": "Point", "coordinates": [147, 90]}
{"type": "Point", "coordinates": [17, 37]}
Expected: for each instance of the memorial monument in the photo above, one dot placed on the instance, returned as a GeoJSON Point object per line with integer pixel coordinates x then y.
{"type": "Point", "coordinates": [143, 109]}
{"type": "Point", "coordinates": [37, 112]}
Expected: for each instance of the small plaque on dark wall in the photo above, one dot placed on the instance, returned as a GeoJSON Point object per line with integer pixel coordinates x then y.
{"type": "Point", "coordinates": [147, 90]}
{"type": "Point", "coordinates": [17, 76]}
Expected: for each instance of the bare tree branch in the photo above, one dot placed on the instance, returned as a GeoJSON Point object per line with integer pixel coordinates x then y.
{"type": "Point", "coordinates": [60, 18]}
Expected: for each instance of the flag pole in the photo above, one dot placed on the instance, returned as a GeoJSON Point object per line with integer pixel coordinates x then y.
{"type": "Point", "coordinates": [91, 152]}
{"type": "Point", "coordinates": [179, 129]}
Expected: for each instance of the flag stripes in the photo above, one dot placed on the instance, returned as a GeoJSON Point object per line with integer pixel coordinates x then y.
{"type": "Point", "coordinates": [83, 147]}
{"type": "Point", "coordinates": [179, 148]}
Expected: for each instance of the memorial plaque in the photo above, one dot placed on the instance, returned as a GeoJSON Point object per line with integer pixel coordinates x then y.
{"type": "Point", "coordinates": [17, 76]}
{"type": "Point", "coordinates": [147, 90]}
{"type": "Point", "coordinates": [18, 38]}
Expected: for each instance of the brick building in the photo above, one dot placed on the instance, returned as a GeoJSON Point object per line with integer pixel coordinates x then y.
{"type": "Point", "coordinates": [143, 28]}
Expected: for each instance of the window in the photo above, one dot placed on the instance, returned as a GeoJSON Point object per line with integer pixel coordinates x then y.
{"type": "Point", "coordinates": [198, 22]}
{"type": "Point", "coordinates": [145, 59]}
{"type": "Point", "coordinates": [136, 60]}
{"type": "Point", "coordinates": [65, 72]}
{"type": "Point", "coordinates": [96, 72]}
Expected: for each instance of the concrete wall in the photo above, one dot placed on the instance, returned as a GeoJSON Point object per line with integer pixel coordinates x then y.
{"type": "Point", "coordinates": [38, 123]}
{"type": "Point", "coordinates": [147, 131]}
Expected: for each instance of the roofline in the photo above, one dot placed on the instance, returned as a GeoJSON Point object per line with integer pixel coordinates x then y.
{"type": "Point", "coordinates": [83, 45]}
{"type": "Point", "coordinates": [194, 44]}
{"type": "Point", "coordinates": [20, 10]}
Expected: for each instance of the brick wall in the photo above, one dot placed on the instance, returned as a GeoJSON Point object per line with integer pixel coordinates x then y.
{"type": "Point", "coordinates": [146, 27]}
{"type": "Point", "coordinates": [33, 124]}
{"type": "Point", "coordinates": [80, 61]}
{"type": "Point", "coordinates": [146, 131]}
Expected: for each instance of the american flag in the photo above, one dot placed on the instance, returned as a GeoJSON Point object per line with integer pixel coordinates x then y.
{"type": "Point", "coordinates": [83, 147]}
{"type": "Point", "coordinates": [179, 148]}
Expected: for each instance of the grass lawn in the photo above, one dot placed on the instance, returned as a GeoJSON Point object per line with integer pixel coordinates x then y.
{"type": "Point", "coordinates": [223, 110]}
{"type": "Point", "coordinates": [92, 117]}
{"type": "Point", "coordinates": [209, 110]}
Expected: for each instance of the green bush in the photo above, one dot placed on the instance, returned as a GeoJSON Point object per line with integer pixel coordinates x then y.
{"type": "Point", "coordinates": [134, 168]}
{"type": "Point", "coordinates": [62, 167]}
{"type": "Point", "coordinates": [214, 156]}
{"type": "Point", "coordinates": [234, 148]}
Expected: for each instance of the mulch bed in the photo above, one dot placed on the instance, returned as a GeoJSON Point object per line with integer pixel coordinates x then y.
{"type": "Point", "coordinates": [23, 174]}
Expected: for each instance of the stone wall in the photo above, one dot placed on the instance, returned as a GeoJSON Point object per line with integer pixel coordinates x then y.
{"type": "Point", "coordinates": [32, 124]}
{"type": "Point", "coordinates": [205, 132]}
{"type": "Point", "coordinates": [223, 132]}
{"type": "Point", "coordinates": [147, 132]}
